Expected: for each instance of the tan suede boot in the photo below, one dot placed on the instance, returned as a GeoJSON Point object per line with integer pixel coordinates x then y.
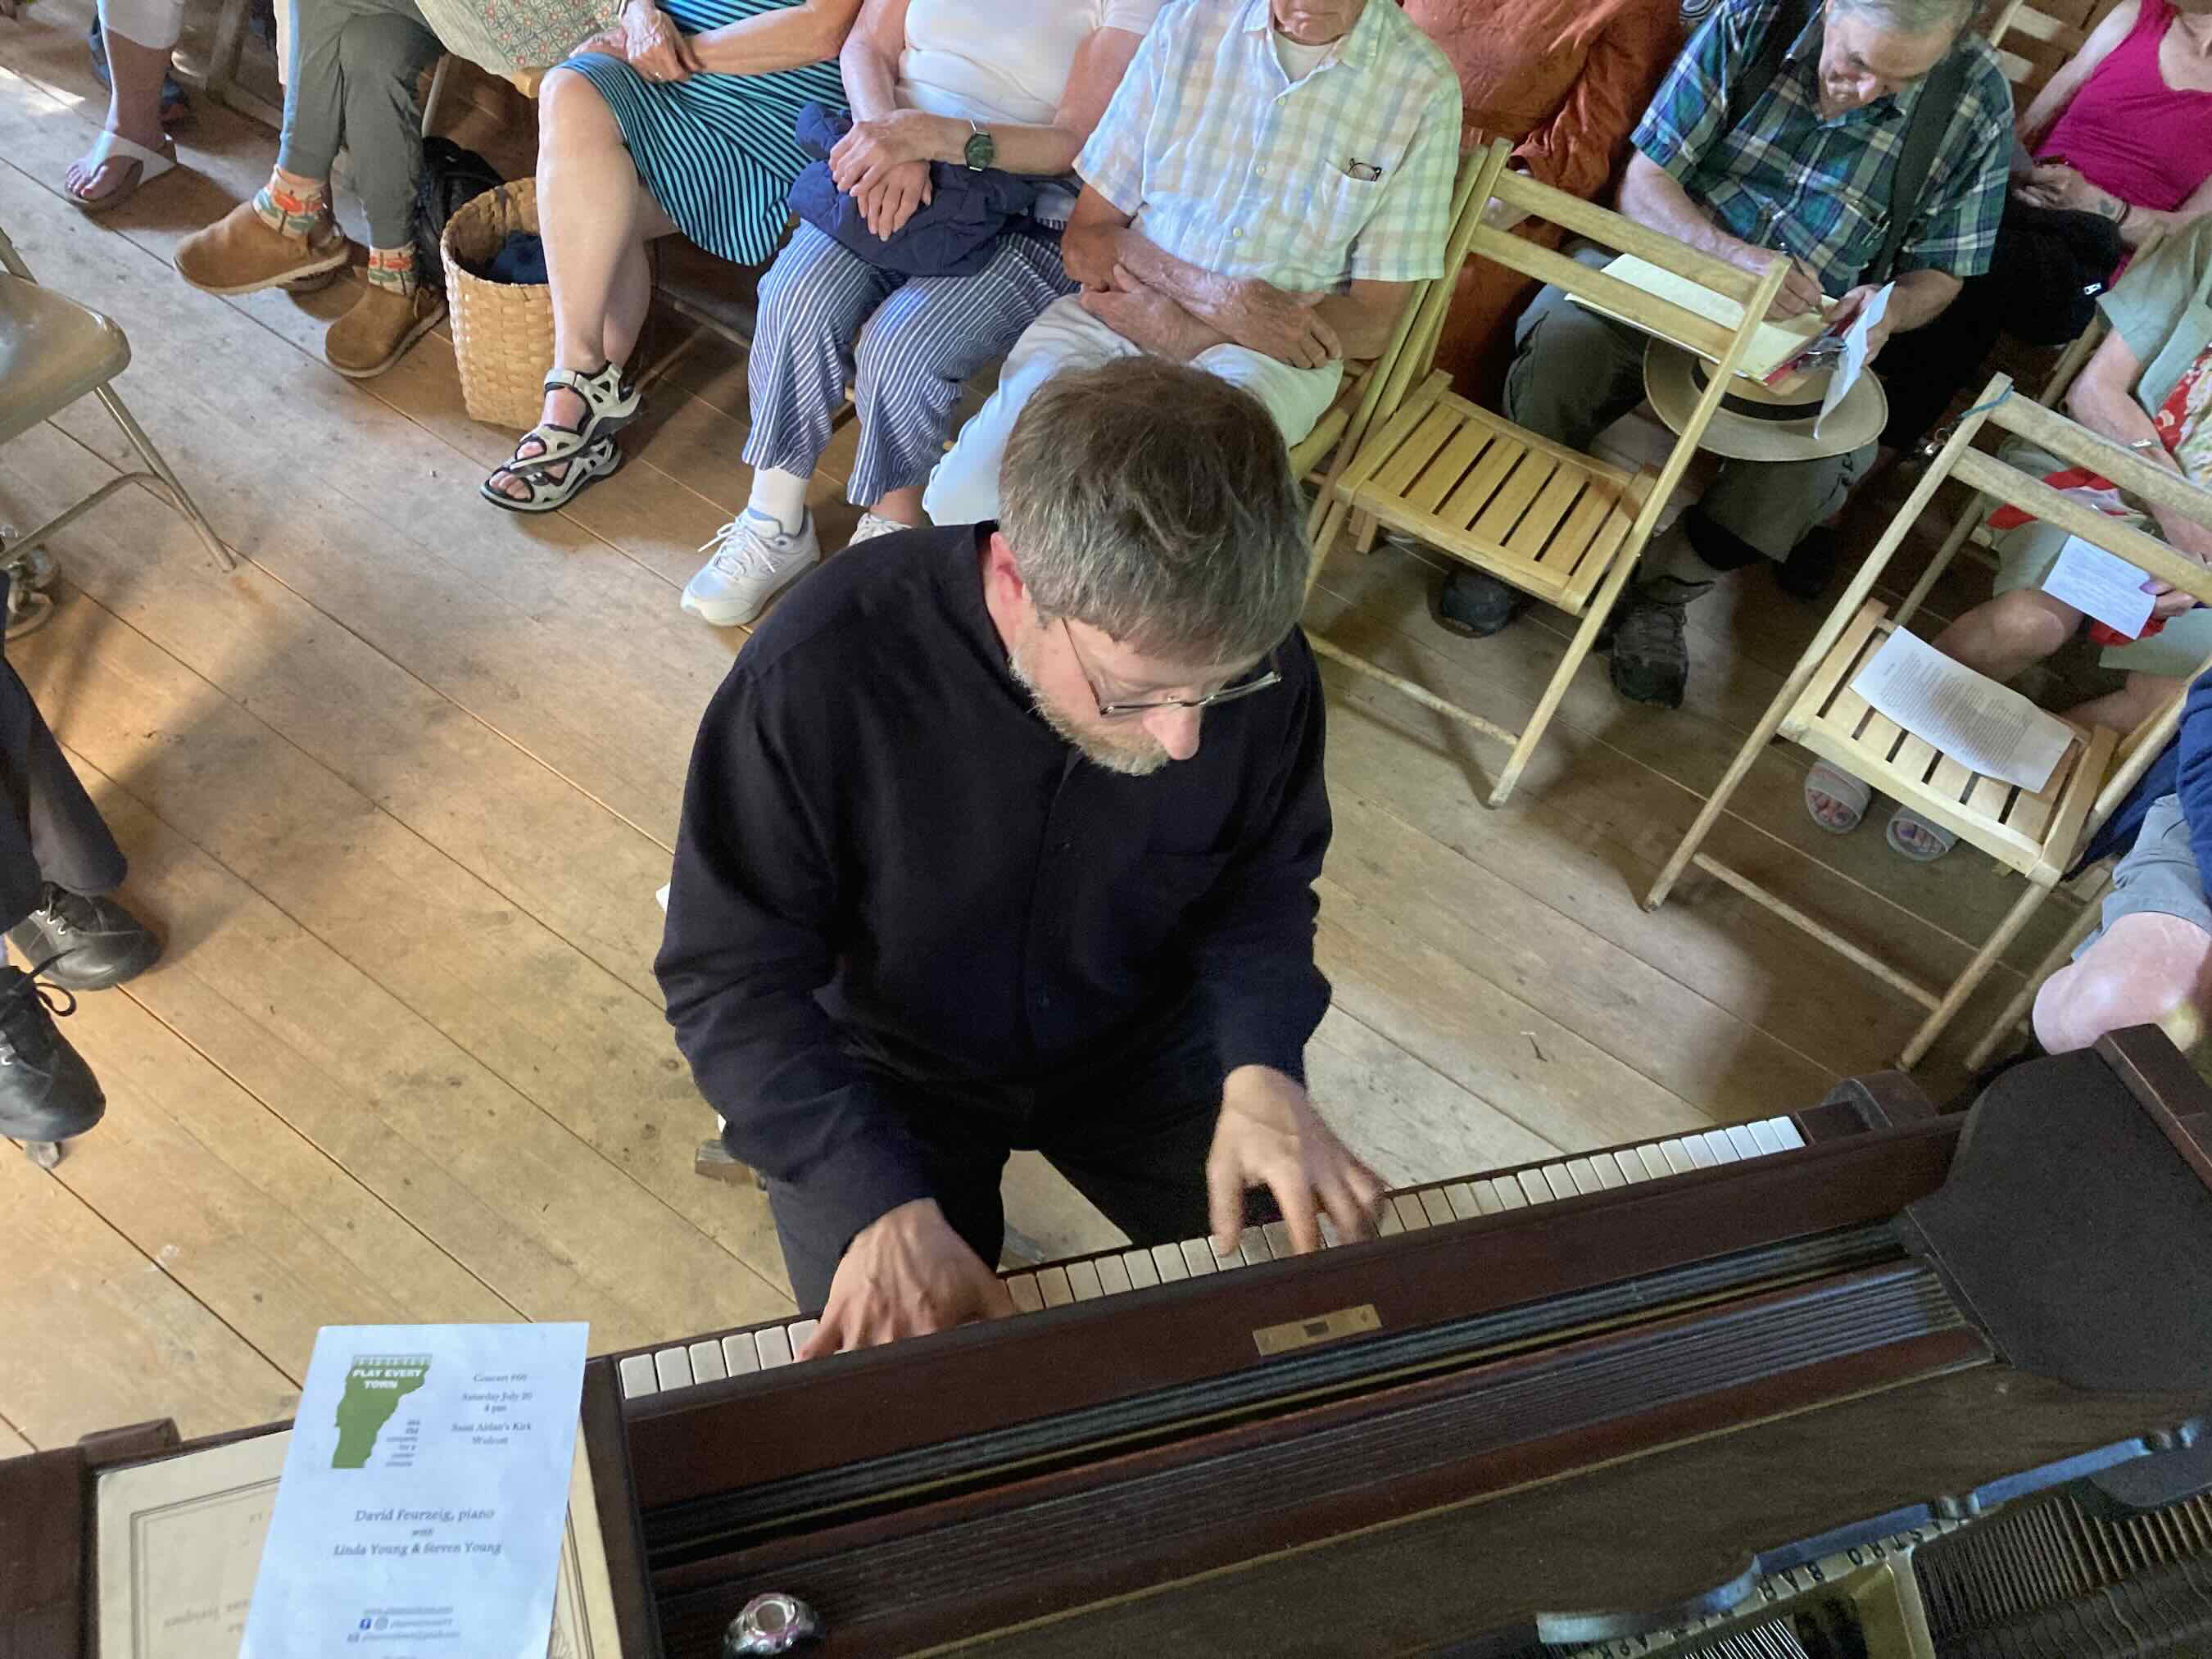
{"type": "Point", "coordinates": [383, 323]}
{"type": "Point", "coordinates": [241, 252]}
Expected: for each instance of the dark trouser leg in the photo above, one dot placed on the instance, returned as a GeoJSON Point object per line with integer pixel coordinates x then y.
{"type": "Point", "coordinates": [51, 830]}
{"type": "Point", "coordinates": [1936, 359]}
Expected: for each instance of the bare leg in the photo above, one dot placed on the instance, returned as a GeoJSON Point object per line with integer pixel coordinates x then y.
{"type": "Point", "coordinates": [902, 506]}
{"type": "Point", "coordinates": [2009, 634]}
{"type": "Point", "coordinates": [2146, 968]}
{"type": "Point", "coordinates": [2123, 710]}
{"type": "Point", "coordinates": [134, 106]}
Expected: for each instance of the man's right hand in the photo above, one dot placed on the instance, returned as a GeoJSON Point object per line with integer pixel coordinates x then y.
{"type": "Point", "coordinates": [1274, 322]}
{"type": "Point", "coordinates": [906, 1274]}
{"type": "Point", "coordinates": [1801, 290]}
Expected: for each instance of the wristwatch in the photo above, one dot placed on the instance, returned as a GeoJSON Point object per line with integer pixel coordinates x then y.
{"type": "Point", "coordinates": [980, 150]}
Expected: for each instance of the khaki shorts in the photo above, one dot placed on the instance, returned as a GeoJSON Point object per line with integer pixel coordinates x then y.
{"type": "Point", "coordinates": [2025, 556]}
{"type": "Point", "coordinates": [2158, 875]}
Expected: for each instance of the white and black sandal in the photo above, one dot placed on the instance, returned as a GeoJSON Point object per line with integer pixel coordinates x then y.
{"type": "Point", "coordinates": [610, 403]}
{"type": "Point", "coordinates": [598, 459]}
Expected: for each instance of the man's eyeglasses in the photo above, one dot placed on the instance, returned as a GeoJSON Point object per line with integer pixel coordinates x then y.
{"type": "Point", "coordinates": [1258, 679]}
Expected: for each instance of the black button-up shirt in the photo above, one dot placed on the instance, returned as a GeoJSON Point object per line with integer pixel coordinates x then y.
{"type": "Point", "coordinates": [884, 848]}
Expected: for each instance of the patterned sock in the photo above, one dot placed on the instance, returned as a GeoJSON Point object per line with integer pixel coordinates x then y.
{"type": "Point", "coordinates": [293, 213]}
{"type": "Point", "coordinates": [392, 268]}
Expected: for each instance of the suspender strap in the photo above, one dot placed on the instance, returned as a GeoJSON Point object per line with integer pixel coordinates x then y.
{"type": "Point", "coordinates": [1924, 136]}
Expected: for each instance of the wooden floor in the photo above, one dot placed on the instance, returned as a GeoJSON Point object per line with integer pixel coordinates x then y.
{"type": "Point", "coordinates": [398, 793]}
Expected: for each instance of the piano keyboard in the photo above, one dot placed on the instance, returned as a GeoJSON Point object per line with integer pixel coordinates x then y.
{"type": "Point", "coordinates": [741, 1353]}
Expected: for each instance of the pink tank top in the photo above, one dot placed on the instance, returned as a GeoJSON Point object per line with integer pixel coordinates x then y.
{"type": "Point", "coordinates": [2129, 133]}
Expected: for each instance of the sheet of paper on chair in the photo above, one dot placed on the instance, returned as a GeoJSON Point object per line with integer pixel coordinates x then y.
{"type": "Point", "coordinates": [1855, 352]}
{"type": "Point", "coordinates": [2100, 585]}
{"type": "Point", "coordinates": [1969, 717]}
{"type": "Point", "coordinates": [1771, 344]}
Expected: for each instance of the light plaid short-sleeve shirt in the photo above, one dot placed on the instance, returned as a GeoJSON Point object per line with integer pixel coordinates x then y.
{"type": "Point", "coordinates": [1225, 162]}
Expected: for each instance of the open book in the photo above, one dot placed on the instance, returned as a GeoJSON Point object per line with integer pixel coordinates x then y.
{"type": "Point", "coordinates": [180, 1542]}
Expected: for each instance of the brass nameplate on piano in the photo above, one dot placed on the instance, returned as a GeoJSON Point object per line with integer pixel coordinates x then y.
{"type": "Point", "coordinates": [1323, 1327]}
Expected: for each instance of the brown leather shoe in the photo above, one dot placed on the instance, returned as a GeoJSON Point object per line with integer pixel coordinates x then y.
{"type": "Point", "coordinates": [240, 253]}
{"type": "Point", "coordinates": [382, 323]}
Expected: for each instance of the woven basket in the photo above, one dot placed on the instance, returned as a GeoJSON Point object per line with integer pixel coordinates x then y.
{"type": "Point", "coordinates": [502, 332]}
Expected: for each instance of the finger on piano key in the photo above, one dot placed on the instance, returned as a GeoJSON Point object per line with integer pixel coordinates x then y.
{"type": "Point", "coordinates": [1252, 1247]}
{"type": "Point", "coordinates": [774, 1347]}
{"type": "Point", "coordinates": [1235, 1258]}
{"type": "Point", "coordinates": [707, 1362]}
{"type": "Point", "coordinates": [1745, 1144]}
{"type": "Point", "coordinates": [1198, 1256]}
{"type": "Point", "coordinates": [1278, 1240]}
{"type": "Point", "coordinates": [798, 1332]}
{"type": "Point", "coordinates": [1438, 1207]}
{"type": "Point", "coordinates": [1533, 1188]}
{"type": "Point", "coordinates": [1631, 1165]}
{"type": "Point", "coordinates": [1411, 1215]}
{"type": "Point", "coordinates": [740, 1355]}
{"type": "Point", "coordinates": [1722, 1149]}
{"type": "Point", "coordinates": [1583, 1173]}
{"type": "Point", "coordinates": [1465, 1206]}
{"type": "Point", "coordinates": [1113, 1275]}
{"type": "Point", "coordinates": [1083, 1279]}
{"type": "Point", "coordinates": [639, 1378]}
{"type": "Point", "coordinates": [1330, 1238]}
{"type": "Point", "coordinates": [1387, 1222]}
{"type": "Point", "coordinates": [1173, 1266]}
{"type": "Point", "coordinates": [1027, 1298]}
{"type": "Point", "coordinates": [673, 1368]}
{"type": "Point", "coordinates": [1143, 1268]}
{"type": "Point", "coordinates": [1052, 1284]}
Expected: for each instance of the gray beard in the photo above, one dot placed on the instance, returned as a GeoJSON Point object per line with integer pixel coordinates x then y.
{"type": "Point", "coordinates": [1130, 761]}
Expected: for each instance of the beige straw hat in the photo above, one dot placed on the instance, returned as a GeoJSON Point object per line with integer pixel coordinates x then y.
{"type": "Point", "coordinates": [1754, 423]}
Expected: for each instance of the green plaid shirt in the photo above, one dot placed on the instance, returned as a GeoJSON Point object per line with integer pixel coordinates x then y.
{"type": "Point", "coordinates": [1784, 178]}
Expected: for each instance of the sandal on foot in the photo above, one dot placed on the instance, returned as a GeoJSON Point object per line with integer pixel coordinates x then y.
{"type": "Point", "coordinates": [598, 460]}
{"type": "Point", "coordinates": [610, 403]}
{"type": "Point", "coordinates": [1841, 787]}
{"type": "Point", "coordinates": [1932, 842]}
{"type": "Point", "coordinates": [139, 166]}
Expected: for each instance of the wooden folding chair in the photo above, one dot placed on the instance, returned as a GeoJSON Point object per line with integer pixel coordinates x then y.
{"type": "Point", "coordinates": [2038, 834]}
{"type": "Point", "coordinates": [1565, 527]}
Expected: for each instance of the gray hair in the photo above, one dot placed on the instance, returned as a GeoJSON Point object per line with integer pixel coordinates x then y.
{"type": "Point", "coordinates": [1915, 18]}
{"type": "Point", "coordinates": [1155, 501]}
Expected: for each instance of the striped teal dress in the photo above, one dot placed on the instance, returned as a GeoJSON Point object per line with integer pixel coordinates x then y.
{"type": "Point", "coordinates": [716, 150]}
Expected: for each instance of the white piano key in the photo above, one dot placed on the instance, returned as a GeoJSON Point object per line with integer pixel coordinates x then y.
{"type": "Point", "coordinates": [1677, 1155]}
{"type": "Point", "coordinates": [1740, 1137]}
{"type": "Point", "coordinates": [1053, 1285]}
{"type": "Point", "coordinates": [1169, 1259]}
{"type": "Point", "coordinates": [798, 1332]}
{"type": "Point", "coordinates": [1785, 1131]}
{"type": "Point", "coordinates": [1506, 1191]}
{"type": "Point", "coordinates": [1330, 1238]}
{"type": "Point", "coordinates": [1609, 1172]}
{"type": "Point", "coordinates": [1583, 1173]}
{"type": "Point", "coordinates": [1654, 1160]}
{"type": "Point", "coordinates": [638, 1377]}
{"type": "Point", "coordinates": [673, 1367]}
{"type": "Point", "coordinates": [1410, 1212]}
{"type": "Point", "coordinates": [1534, 1187]}
{"type": "Point", "coordinates": [1701, 1156]}
{"type": "Point", "coordinates": [1763, 1132]}
{"type": "Point", "coordinates": [1278, 1241]}
{"type": "Point", "coordinates": [1438, 1207]}
{"type": "Point", "coordinates": [1631, 1165]}
{"type": "Point", "coordinates": [740, 1356]}
{"type": "Point", "coordinates": [1023, 1288]}
{"type": "Point", "coordinates": [1113, 1277]}
{"type": "Point", "coordinates": [1253, 1249]}
{"type": "Point", "coordinates": [706, 1363]}
{"type": "Point", "coordinates": [1723, 1150]}
{"type": "Point", "coordinates": [1143, 1273]}
{"type": "Point", "coordinates": [1465, 1206]}
{"type": "Point", "coordinates": [774, 1347]}
{"type": "Point", "coordinates": [1234, 1259]}
{"type": "Point", "coordinates": [1198, 1256]}
{"type": "Point", "coordinates": [1083, 1279]}
{"type": "Point", "coordinates": [1387, 1222]}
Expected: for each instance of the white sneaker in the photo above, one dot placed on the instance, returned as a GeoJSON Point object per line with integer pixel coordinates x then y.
{"type": "Point", "coordinates": [873, 525]}
{"type": "Point", "coordinates": [754, 558]}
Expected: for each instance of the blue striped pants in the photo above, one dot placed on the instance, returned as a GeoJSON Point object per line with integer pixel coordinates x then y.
{"type": "Point", "coordinates": [827, 319]}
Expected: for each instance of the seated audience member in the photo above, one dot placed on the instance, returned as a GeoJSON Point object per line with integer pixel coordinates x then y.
{"type": "Point", "coordinates": [354, 83]}
{"type": "Point", "coordinates": [2150, 960]}
{"type": "Point", "coordinates": [1804, 168]}
{"type": "Point", "coordinates": [1564, 81]}
{"type": "Point", "coordinates": [2147, 387]}
{"type": "Point", "coordinates": [676, 121]}
{"type": "Point", "coordinates": [1270, 178]}
{"type": "Point", "coordinates": [981, 84]}
{"type": "Point", "coordinates": [137, 37]}
{"type": "Point", "coordinates": [2123, 132]}
{"type": "Point", "coordinates": [1005, 835]}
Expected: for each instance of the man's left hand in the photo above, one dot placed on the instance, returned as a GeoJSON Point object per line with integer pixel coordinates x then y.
{"type": "Point", "coordinates": [1846, 312]}
{"type": "Point", "coordinates": [1269, 1134]}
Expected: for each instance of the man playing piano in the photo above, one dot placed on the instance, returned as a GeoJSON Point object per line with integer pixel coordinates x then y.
{"type": "Point", "coordinates": [955, 874]}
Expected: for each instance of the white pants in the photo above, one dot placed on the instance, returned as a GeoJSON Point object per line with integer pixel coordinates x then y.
{"type": "Point", "coordinates": [964, 487]}
{"type": "Point", "coordinates": [152, 23]}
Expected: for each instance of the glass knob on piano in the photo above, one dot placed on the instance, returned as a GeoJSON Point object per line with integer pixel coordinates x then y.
{"type": "Point", "coordinates": [773, 1623]}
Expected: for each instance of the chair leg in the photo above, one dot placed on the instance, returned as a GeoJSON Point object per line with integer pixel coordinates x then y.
{"type": "Point", "coordinates": [180, 497]}
{"type": "Point", "coordinates": [1331, 526]}
{"type": "Point", "coordinates": [1941, 562]}
{"type": "Point", "coordinates": [1977, 971]}
{"type": "Point", "coordinates": [2017, 1009]}
{"type": "Point", "coordinates": [1363, 529]}
{"type": "Point", "coordinates": [1592, 624]}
